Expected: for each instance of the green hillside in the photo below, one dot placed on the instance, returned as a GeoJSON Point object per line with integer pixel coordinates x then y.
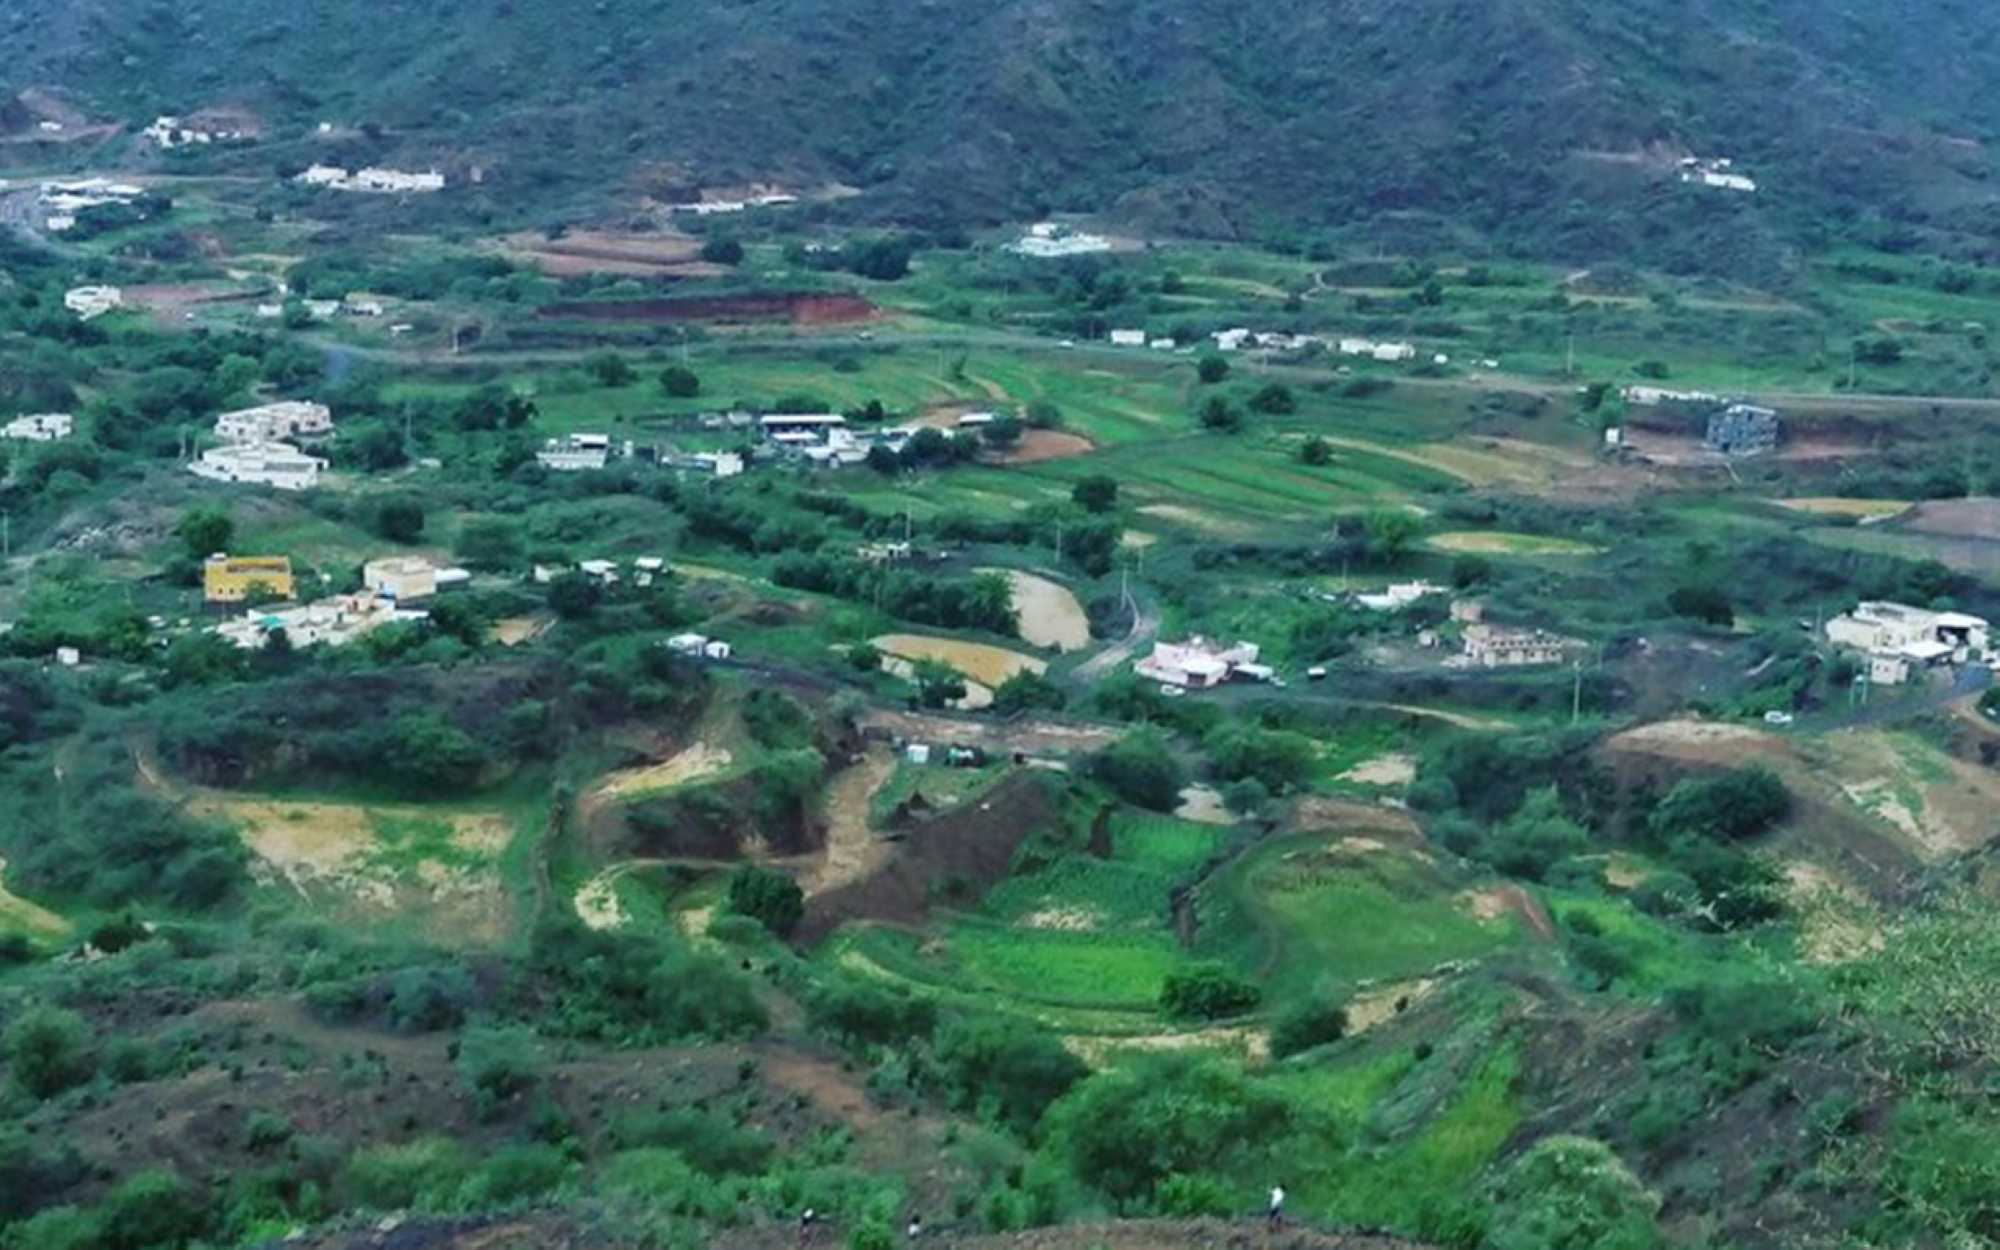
{"type": "Point", "coordinates": [1555, 123]}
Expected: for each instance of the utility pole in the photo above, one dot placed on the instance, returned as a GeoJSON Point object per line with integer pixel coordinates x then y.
{"type": "Point", "coordinates": [1576, 695]}
{"type": "Point", "coordinates": [6, 533]}
{"type": "Point", "coordinates": [1570, 368]}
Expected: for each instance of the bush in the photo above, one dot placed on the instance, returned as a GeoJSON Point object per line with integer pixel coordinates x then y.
{"type": "Point", "coordinates": [1571, 1193]}
{"type": "Point", "coordinates": [1207, 992]}
{"type": "Point", "coordinates": [859, 1013]}
{"type": "Point", "coordinates": [1096, 493]}
{"type": "Point", "coordinates": [704, 1140]}
{"type": "Point", "coordinates": [400, 519]}
{"type": "Point", "coordinates": [1274, 400]}
{"type": "Point", "coordinates": [424, 1174]}
{"type": "Point", "coordinates": [48, 1050]}
{"type": "Point", "coordinates": [1305, 1025]}
{"type": "Point", "coordinates": [1128, 1131]}
{"type": "Point", "coordinates": [1707, 604]}
{"type": "Point", "coordinates": [1735, 806]}
{"type": "Point", "coordinates": [150, 1210]}
{"type": "Point", "coordinates": [770, 898]}
{"type": "Point", "coordinates": [1315, 451]}
{"type": "Point", "coordinates": [1212, 369]}
{"type": "Point", "coordinates": [1005, 1071]}
{"type": "Point", "coordinates": [1142, 770]}
{"type": "Point", "coordinates": [680, 382]}
{"type": "Point", "coordinates": [516, 1174]}
{"type": "Point", "coordinates": [500, 1067]}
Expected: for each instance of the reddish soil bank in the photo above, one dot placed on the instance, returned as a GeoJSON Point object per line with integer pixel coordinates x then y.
{"type": "Point", "coordinates": [797, 307]}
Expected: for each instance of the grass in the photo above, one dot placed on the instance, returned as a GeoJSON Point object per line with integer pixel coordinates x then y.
{"type": "Point", "coordinates": [1305, 918]}
{"type": "Point", "coordinates": [1496, 543]}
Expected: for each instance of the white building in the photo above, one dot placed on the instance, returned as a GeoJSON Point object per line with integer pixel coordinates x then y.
{"type": "Point", "coordinates": [89, 302]}
{"type": "Point", "coordinates": [172, 132]}
{"type": "Point", "coordinates": [575, 453]}
{"type": "Point", "coordinates": [1653, 396]}
{"type": "Point", "coordinates": [1718, 173]}
{"type": "Point", "coordinates": [699, 647]}
{"type": "Point", "coordinates": [1900, 640]}
{"type": "Point", "coordinates": [1196, 664]}
{"type": "Point", "coordinates": [275, 423]}
{"type": "Point", "coordinates": [1491, 646]}
{"type": "Point", "coordinates": [1398, 596]}
{"type": "Point", "coordinates": [266, 464]}
{"type": "Point", "coordinates": [401, 578]}
{"type": "Point", "coordinates": [1231, 340]}
{"type": "Point", "coordinates": [335, 622]}
{"type": "Point", "coordinates": [1128, 338]}
{"type": "Point", "coordinates": [372, 180]}
{"type": "Point", "coordinates": [45, 427]}
{"type": "Point", "coordinates": [1048, 239]}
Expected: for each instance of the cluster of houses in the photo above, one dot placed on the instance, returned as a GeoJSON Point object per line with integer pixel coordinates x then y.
{"type": "Point", "coordinates": [698, 647]}
{"type": "Point", "coordinates": [257, 446]}
{"type": "Point", "coordinates": [371, 180]}
{"type": "Point", "coordinates": [1718, 173]}
{"type": "Point", "coordinates": [389, 585]}
{"type": "Point", "coordinates": [721, 207]}
{"type": "Point", "coordinates": [825, 439]}
{"type": "Point", "coordinates": [1654, 396]}
{"type": "Point", "coordinates": [91, 302]}
{"type": "Point", "coordinates": [1050, 240]}
{"type": "Point", "coordinates": [1901, 643]}
{"type": "Point", "coordinates": [63, 199]}
{"type": "Point", "coordinates": [581, 452]}
{"type": "Point", "coordinates": [40, 427]}
{"type": "Point", "coordinates": [645, 571]}
{"type": "Point", "coordinates": [172, 132]}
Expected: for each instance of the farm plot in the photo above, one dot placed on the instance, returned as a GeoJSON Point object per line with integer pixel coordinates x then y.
{"type": "Point", "coordinates": [1497, 543]}
{"type": "Point", "coordinates": [1313, 911]}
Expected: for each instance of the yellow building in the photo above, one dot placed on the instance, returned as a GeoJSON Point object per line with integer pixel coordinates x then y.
{"type": "Point", "coordinates": [232, 579]}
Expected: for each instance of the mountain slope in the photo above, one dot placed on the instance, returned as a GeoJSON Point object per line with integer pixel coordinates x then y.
{"type": "Point", "coordinates": [1217, 115]}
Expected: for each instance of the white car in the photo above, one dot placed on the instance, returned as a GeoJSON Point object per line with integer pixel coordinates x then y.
{"type": "Point", "coordinates": [1173, 692]}
{"type": "Point", "coordinates": [1778, 718]}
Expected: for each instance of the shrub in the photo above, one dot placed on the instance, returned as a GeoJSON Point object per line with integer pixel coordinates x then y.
{"type": "Point", "coordinates": [1737, 805]}
{"type": "Point", "coordinates": [48, 1050]}
{"type": "Point", "coordinates": [1274, 400]}
{"type": "Point", "coordinates": [1006, 1071]}
{"type": "Point", "coordinates": [1305, 1025]}
{"type": "Point", "coordinates": [150, 1210]}
{"type": "Point", "coordinates": [500, 1066]}
{"type": "Point", "coordinates": [1212, 369]}
{"type": "Point", "coordinates": [1315, 451]}
{"type": "Point", "coordinates": [859, 1013]}
{"type": "Point", "coordinates": [1142, 770]}
{"type": "Point", "coordinates": [515, 1174]}
{"type": "Point", "coordinates": [680, 382]}
{"type": "Point", "coordinates": [426, 1173]}
{"type": "Point", "coordinates": [1096, 493]}
{"type": "Point", "coordinates": [1571, 1193]}
{"type": "Point", "coordinates": [1206, 992]}
{"type": "Point", "coordinates": [770, 898]}
{"type": "Point", "coordinates": [706, 1141]}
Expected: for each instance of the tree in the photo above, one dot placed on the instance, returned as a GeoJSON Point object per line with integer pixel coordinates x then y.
{"type": "Point", "coordinates": [400, 518]}
{"type": "Point", "coordinates": [1314, 1022]}
{"type": "Point", "coordinates": [48, 1050]}
{"type": "Point", "coordinates": [1274, 400]}
{"type": "Point", "coordinates": [1211, 370]}
{"type": "Point", "coordinates": [610, 369]}
{"type": "Point", "coordinates": [1096, 493]}
{"type": "Point", "coordinates": [574, 595]}
{"type": "Point", "coordinates": [205, 532]}
{"type": "Point", "coordinates": [1006, 1071]}
{"type": "Point", "coordinates": [722, 251]}
{"type": "Point", "coordinates": [1537, 837]}
{"type": "Point", "coordinates": [1734, 806]}
{"type": "Point", "coordinates": [1005, 431]}
{"type": "Point", "coordinates": [770, 898]}
{"type": "Point", "coordinates": [1206, 992]}
{"type": "Point", "coordinates": [680, 382]}
{"type": "Point", "coordinates": [490, 544]}
{"type": "Point", "coordinates": [1142, 770]}
{"type": "Point", "coordinates": [1389, 532]}
{"type": "Point", "coordinates": [938, 683]}
{"type": "Point", "coordinates": [1217, 414]}
{"type": "Point", "coordinates": [1315, 451]}
{"type": "Point", "coordinates": [1025, 691]}
{"type": "Point", "coordinates": [1573, 1193]}
{"type": "Point", "coordinates": [1707, 604]}
{"type": "Point", "coordinates": [1131, 1129]}
{"type": "Point", "coordinates": [1277, 759]}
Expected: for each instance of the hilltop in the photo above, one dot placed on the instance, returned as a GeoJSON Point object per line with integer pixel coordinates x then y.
{"type": "Point", "coordinates": [1525, 119]}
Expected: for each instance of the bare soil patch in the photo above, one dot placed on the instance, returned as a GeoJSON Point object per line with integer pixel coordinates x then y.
{"type": "Point", "coordinates": [1956, 518]}
{"type": "Point", "coordinates": [697, 763]}
{"type": "Point", "coordinates": [853, 851]}
{"type": "Point", "coordinates": [669, 254]}
{"type": "Point", "coordinates": [1383, 770]}
{"type": "Point", "coordinates": [1204, 806]}
{"type": "Point", "coordinates": [1049, 613]}
{"type": "Point", "coordinates": [1866, 511]}
{"type": "Point", "coordinates": [803, 309]}
{"type": "Point", "coordinates": [20, 916]}
{"type": "Point", "coordinates": [987, 665]}
{"type": "Point", "coordinates": [1041, 446]}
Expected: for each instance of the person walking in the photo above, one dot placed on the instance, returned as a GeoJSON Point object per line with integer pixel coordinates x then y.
{"type": "Point", "coordinates": [1274, 1218]}
{"type": "Point", "coordinates": [916, 1228]}
{"type": "Point", "coordinates": [808, 1225]}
